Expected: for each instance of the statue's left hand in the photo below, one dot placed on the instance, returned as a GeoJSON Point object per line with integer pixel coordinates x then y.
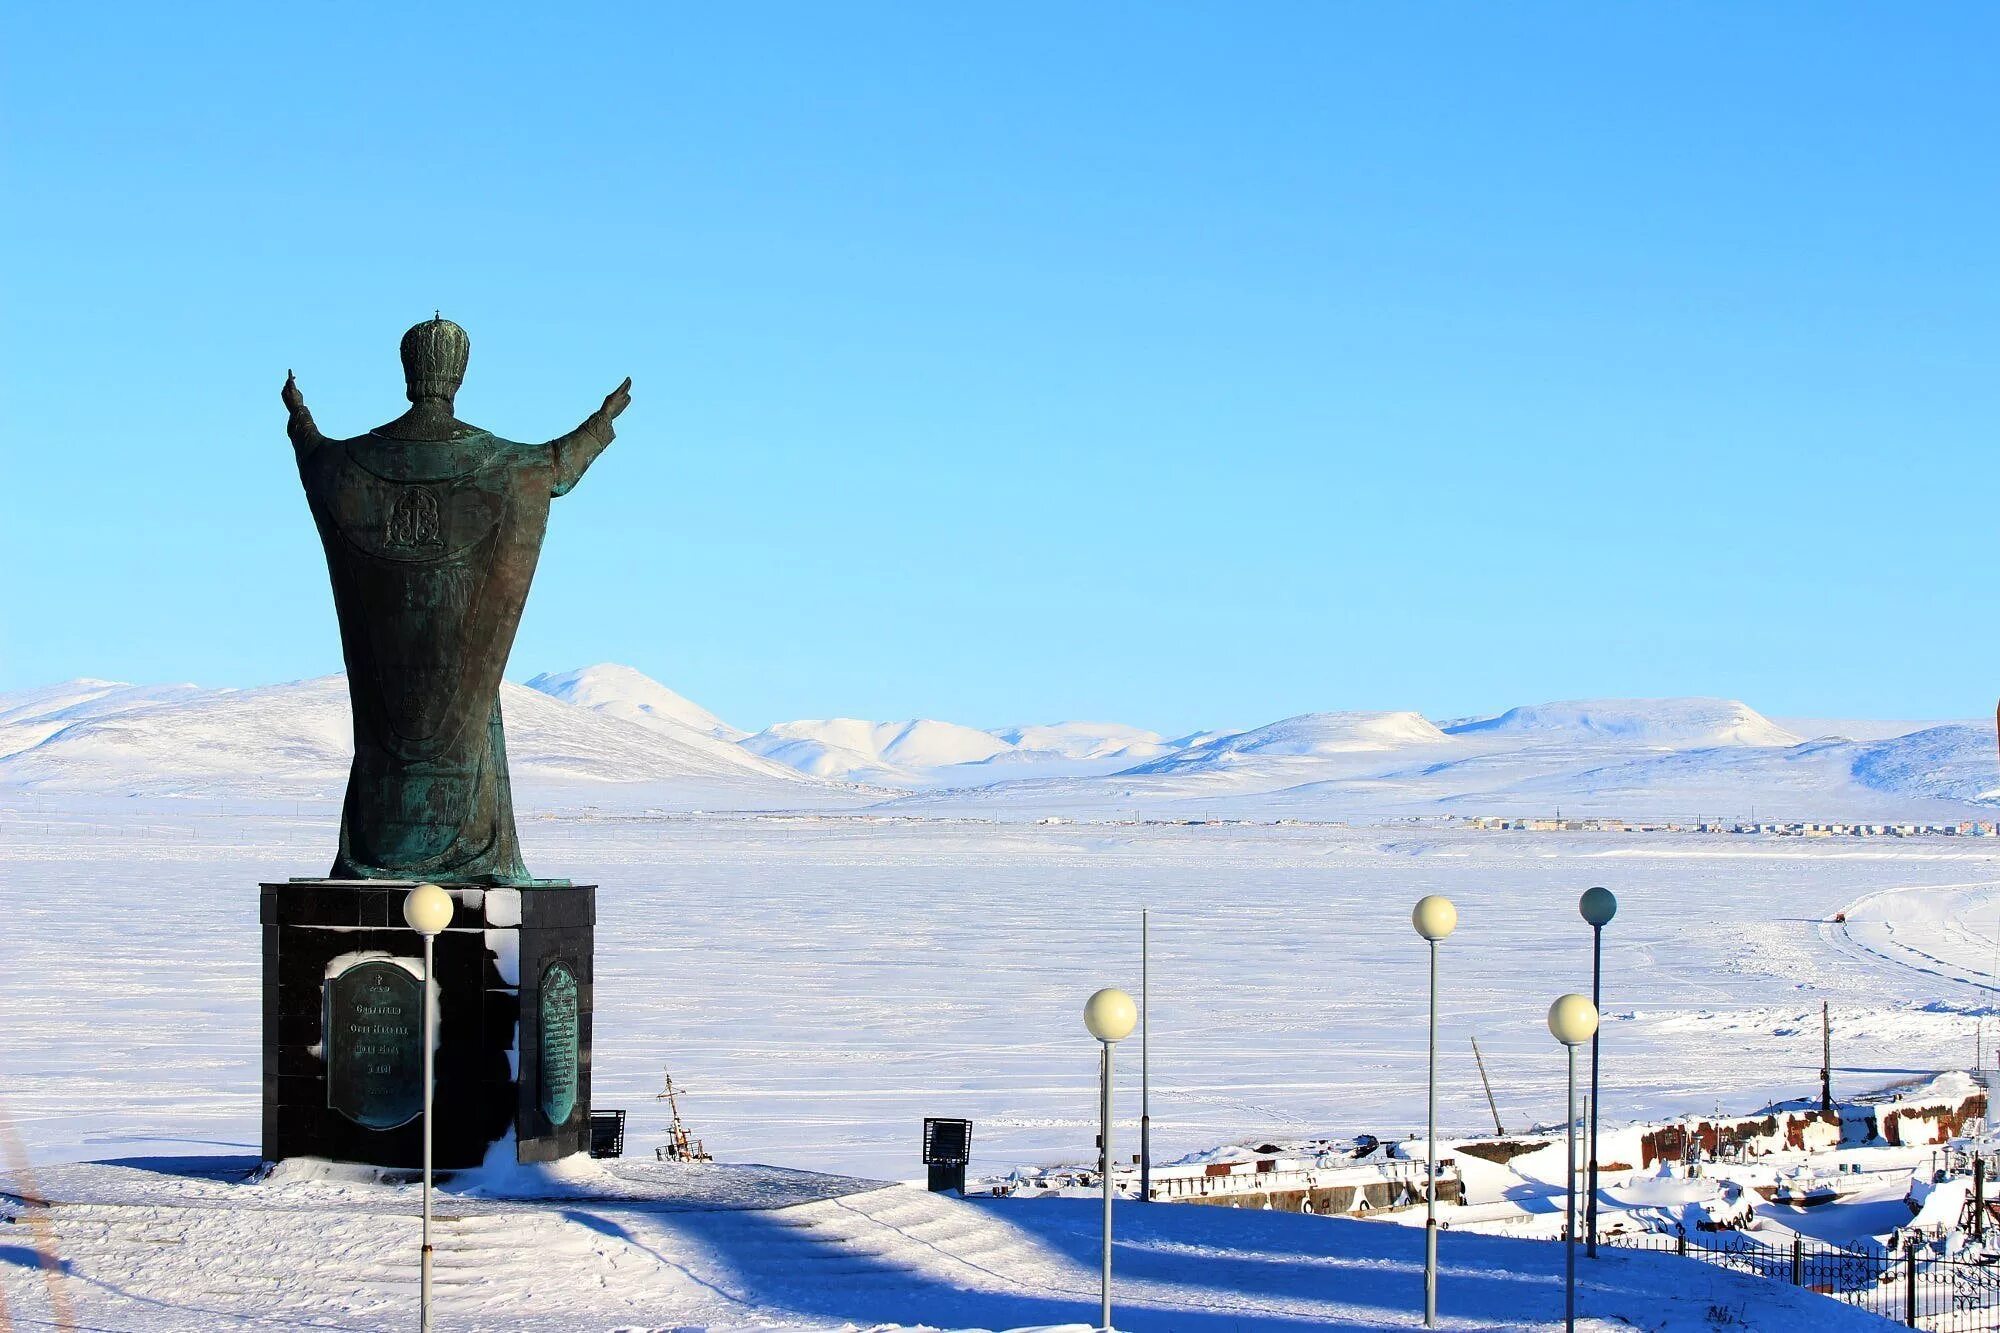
{"type": "Point", "coordinates": [617, 400]}
{"type": "Point", "coordinates": [294, 400]}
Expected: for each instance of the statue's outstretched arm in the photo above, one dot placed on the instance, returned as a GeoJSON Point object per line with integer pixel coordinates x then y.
{"type": "Point", "coordinates": [305, 434]}
{"type": "Point", "coordinates": [577, 450]}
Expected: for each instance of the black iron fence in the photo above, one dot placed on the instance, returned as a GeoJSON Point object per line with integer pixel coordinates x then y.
{"type": "Point", "coordinates": [1918, 1285]}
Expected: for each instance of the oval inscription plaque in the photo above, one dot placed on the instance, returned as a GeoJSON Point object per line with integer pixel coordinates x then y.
{"type": "Point", "coordinates": [374, 1064]}
{"type": "Point", "coordinates": [558, 1063]}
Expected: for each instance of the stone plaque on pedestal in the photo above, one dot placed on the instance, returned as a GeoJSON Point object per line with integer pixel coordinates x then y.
{"type": "Point", "coordinates": [558, 1042]}
{"type": "Point", "coordinates": [343, 1064]}
{"type": "Point", "coordinates": [370, 1034]}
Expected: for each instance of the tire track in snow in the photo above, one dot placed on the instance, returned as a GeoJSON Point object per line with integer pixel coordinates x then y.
{"type": "Point", "coordinates": [1874, 913]}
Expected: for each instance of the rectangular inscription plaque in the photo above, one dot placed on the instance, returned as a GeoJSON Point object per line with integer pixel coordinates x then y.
{"type": "Point", "coordinates": [374, 1060]}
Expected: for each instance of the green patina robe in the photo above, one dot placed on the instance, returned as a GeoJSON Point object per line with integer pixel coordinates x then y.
{"type": "Point", "coordinates": [431, 545]}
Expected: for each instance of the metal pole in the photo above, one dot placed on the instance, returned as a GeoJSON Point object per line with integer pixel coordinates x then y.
{"type": "Point", "coordinates": [1487, 1083]}
{"type": "Point", "coordinates": [424, 1297]}
{"type": "Point", "coordinates": [1569, 1212]}
{"type": "Point", "coordinates": [1430, 1158]}
{"type": "Point", "coordinates": [1145, 1064]}
{"type": "Point", "coordinates": [1104, 1165]}
{"type": "Point", "coordinates": [1978, 1195]}
{"type": "Point", "coordinates": [1596, 1002]}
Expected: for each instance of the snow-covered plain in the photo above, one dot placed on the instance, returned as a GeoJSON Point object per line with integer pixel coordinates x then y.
{"type": "Point", "coordinates": [819, 983]}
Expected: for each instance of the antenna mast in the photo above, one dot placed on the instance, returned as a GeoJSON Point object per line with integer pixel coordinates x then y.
{"type": "Point", "coordinates": [679, 1147]}
{"type": "Point", "coordinates": [1491, 1105]}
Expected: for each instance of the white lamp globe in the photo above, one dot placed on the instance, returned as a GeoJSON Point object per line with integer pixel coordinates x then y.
{"type": "Point", "coordinates": [428, 909]}
{"type": "Point", "coordinates": [1598, 906]}
{"type": "Point", "coordinates": [1434, 917]}
{"type": "Point", "coordinates": [1572, 1019]}
{"type": "Point", "coordinates": [1110, 1015]}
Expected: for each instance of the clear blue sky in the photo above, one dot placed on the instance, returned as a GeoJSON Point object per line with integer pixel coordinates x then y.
{"type": "Point", "coordinates": [1182, 365]}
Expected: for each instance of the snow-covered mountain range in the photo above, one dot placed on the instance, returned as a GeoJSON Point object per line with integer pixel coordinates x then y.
{"type": "Point", "coordinates": [293, 741]}
{"type": "Point", "coordinates": [924, 752]}
{"type": "Point", "coordinates": [609, 733]}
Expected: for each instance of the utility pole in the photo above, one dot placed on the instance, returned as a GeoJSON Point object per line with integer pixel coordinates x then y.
{"type": "Point", "coordinates": [1484, 1082]}
{"type": "Point", "coordinates": [1979, 1023]}
{"type": "Point", "coordinates": [1825, 1059]}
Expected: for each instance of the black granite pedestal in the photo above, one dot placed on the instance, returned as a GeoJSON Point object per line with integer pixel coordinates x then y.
{"type": "Point", "coordinates": [343, 1064]}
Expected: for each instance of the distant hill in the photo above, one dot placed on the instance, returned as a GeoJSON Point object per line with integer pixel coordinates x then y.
{"type": "Point", "coordinates": [1082, 740]}
{"type": "Point", "coordinates": [1308, 736]}
{"type": "Point", "coordinates": [1670, 723]}
{"type": "Point", "coordinates": [1956, 761]}
{"type": "Point", "coordinates": [295, 740]}
{"type": "Point", "coordinates": [28, 717]}
{"type": "Point", "coordinates": [926, 752]}
{"type": "Point", "coordinates": [622, 691]}
{"type": "Point", "coordinates": [1864, 729]}
{"type": "Point", "coordinates": [874, 751]}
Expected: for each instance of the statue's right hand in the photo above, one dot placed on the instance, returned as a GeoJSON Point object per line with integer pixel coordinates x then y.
{"type": "Point", "coordinates": [294, 400]}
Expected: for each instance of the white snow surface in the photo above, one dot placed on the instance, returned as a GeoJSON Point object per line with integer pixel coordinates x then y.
{"type": "Point", "coordinates": [166, 1245]}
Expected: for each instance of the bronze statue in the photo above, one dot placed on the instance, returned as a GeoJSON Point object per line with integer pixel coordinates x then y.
{"type": "Point", "coordinates": [432, 529]}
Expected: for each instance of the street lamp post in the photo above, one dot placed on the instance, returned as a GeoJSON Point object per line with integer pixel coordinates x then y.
{"type": "Point", "coordinates": [1145, 1058]}
{"type": "Point", "coordinates": [1598, 906]}
{"type": "Point", "coordinates": [427, 908]}
{"type": "Point", "coordinates": [1110, 1015]}
{"type": "Point", "coordinates": [1434, 917]}
{"type": "Point", "coordinates": [1572, 1021]}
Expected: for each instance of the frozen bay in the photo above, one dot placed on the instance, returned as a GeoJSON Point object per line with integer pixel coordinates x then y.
{"type": "Point", "coordinates": [819, 983]}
